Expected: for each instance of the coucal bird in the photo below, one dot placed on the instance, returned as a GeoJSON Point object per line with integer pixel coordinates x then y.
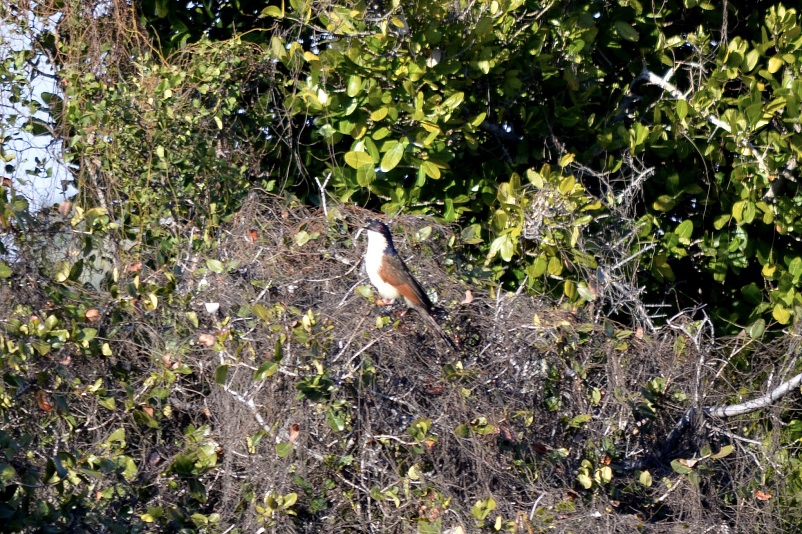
{"type": "Point", "coordinates": [388, 272]}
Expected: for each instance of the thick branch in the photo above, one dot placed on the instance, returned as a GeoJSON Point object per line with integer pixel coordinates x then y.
{"type": "Point", "coordinates": [731, 410]}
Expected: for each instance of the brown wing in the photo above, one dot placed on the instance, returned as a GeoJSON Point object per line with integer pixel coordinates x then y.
{"type": "Point", "coordinates": [395, 272]}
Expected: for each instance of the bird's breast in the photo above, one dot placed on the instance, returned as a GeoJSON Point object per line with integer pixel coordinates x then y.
{"type": "Point", "coordinates": [372, 265]}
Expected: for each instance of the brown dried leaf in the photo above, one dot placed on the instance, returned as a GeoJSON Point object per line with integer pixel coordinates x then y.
{"type": "Point", "coordinates": [468, 297]}
{"type": "Point", "coordinates": [539, 448]}
{"type": "Point", "coordinates": [92, 315]}
{"type": "Point", "coordinates": [295, 431]}
{"type": "Point", "coordinates": [762, 495]}
{"type": "Point", "coordinates": [43, 400]}
{"type": "Point", "coordinates": [253, 235]}
{"type": "Point", "coordinates": [64, 208]}
{"type": "Point", "coordinates": [507, 434]}
{"type": "Point", "coordinates": [207, 340]}
{"type": "Point", "coordinates": [135, 267]}
{"type": "Point", "coordinates": [148, 410]}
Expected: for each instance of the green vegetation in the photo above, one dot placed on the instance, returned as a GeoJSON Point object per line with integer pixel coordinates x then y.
{"type": "Point", "coordinates": [602, 195]}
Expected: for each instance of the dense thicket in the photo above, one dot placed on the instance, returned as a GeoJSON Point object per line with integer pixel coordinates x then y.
{"type": "Point", "coordinates": [189, 331]}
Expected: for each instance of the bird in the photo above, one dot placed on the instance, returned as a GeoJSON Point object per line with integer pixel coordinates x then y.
{"type": "Point", "coordinates": [392, 279]}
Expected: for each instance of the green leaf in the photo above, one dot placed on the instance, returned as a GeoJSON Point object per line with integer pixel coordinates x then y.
{"type": "Point", "coordinates": [775, 64]}
{"type": "Point", "coordinates": [682, 108]}
{"type": "Point", "coordinates": [750, 61]}
{"type": "Point", "coordinates": [260, 311]}
{"type": "Point", "coordinates": [726, 450]}
{"type": "Point", "coordinates": [354, 86]}
{"type": "Point", "coordinates": [684, 232]}
{"type": "Point", "coordinates": [265, 370]}
{"type": "Point", "coordinates": [664, 203]}
{"type": "Point", "coordinates": [679, 468]}
{"type": "Point", "coordinates": [555, 267]}
{"type": "Point", "coordinates": [580, 420]}
{"type": "Point", "coordinates": [757, 329]}
{"type": "Point", "coordinates": [431, 170]}
{"type": "Point", "coordinates": [221, 375]}
{"type": "Point", "coordinates": [272, 11]}
{"type": "Point", "coordinates": [283, 449]}
{"type": "Point", "coordinates": [721, 221]}
{"type": "Point", "coordinates": [462, 431]}
{"type": "Point", "coordinates": [453, 101]}
{"type": "Point", "coordinates": [143, 419]}
{"type": "Point", "coordinates": [358, 159]}
{"type": "Point", "coordinates": [749, 212]}
{"type": "Point", "coordinates": [392, 157]}
{"type": "Point", "coordinates": [645, 479]}
{"type": "Point", "coordinates": [781, 314]}
{"type": "Point", "coordinates": [216, 266]}
{"type": "Point", "coordinates": [5, 270]}
{"type": "Point", "coordinates": [626, 31]}
{"type": "Point", "coordinates": [738, 211]}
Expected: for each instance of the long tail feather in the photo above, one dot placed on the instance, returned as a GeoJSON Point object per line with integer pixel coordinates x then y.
{"type": "Point", "coordinates": [442, 333]}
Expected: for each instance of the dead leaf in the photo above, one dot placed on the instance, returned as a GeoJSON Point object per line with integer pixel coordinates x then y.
{"type": "Point", "coordinates": [539, 448]}
{"type": "Point", "coordinates": [64, 208]}
{"type": "Point", "coordinates": [468, 297]}
{"type": "Point", "coordinates": [43, 400]}
{"type": "Point", "coordinates": [148, 410]}
{"type": "Point", "coordinates": [135, 267]}
{"type": "Point", "coordinates": [253, 235]}
{"type": "Point", "coordinates": [762, 495]}
{"type": "Point", "coordinates": [207, 340]}
{"type": "Point", "coordinates": [507, 434]}
{"type": "Point", "coordinates": [206, 411]}
{"type": "Point", "coordinates": [430, 443]}
{"type": "Point", "coordinates": [639, 332]}
{"type": "Point", "coordinates": [66, 360]}
{"type": "Point", "coordinates": [570, 495]}
{"type": "Point", "coordinates": [92, 315]}
{"type": "Point", "coordinates": [295, 431]}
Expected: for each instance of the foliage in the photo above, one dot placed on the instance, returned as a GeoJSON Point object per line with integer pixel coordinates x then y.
{"type": "Point", "coordinates": [407, 100]}
{"type": "Point", "coordinates": [196, 359]}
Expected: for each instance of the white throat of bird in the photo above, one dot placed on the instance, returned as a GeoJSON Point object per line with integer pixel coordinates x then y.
{"type": "Point", "coordinates": [377, 244]}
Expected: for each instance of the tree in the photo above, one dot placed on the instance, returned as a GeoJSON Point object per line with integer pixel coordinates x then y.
{"type": "Point", "coordinates": [610, 156]}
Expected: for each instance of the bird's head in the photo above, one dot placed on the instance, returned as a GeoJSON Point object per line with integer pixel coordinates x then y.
{"type": "Point", "coordinates": [379, 236]}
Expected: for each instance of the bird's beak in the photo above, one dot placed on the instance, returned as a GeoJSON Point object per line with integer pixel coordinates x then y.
{"type": "Point", "coordinates": [358, 233]}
